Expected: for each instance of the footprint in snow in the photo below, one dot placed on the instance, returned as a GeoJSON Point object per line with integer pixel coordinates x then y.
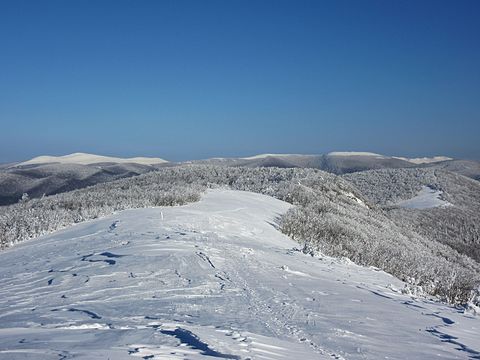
{"type": "Point", "coordinates": [106, 254]}
{"type": "Point", "coordinates": [187, 338]}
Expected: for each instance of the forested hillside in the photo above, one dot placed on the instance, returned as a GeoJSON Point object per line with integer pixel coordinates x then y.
{"type": "Point", "coordinates": [331, 216]}
{"type": "Point", "coordinates": [457, 226]}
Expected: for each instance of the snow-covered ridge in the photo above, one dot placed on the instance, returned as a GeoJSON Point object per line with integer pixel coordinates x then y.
{"type": "Point", "coordinates": [420, 160]}
{"type": "Point", "coordinates": [87, 159]}
{"type": "Point", "coordinates": [334, 153]}
{"type": "Point", "coordinates": [263, 156]}
{"type": "Point", "coordinates": [425, 160]}
{"type": "Point", "coordinates": [212, 279]}
{"type": "Point", "coordinates": [354, 153]}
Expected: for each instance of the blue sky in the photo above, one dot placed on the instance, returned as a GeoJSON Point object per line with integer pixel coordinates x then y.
{"type": "Point", "coordinates": [197, 79]}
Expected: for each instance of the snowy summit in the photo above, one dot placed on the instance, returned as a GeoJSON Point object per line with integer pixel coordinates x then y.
{"type": "Point", "coordinates": [354, 153]}
{"type": "Point", "coordinates": [88, 159]}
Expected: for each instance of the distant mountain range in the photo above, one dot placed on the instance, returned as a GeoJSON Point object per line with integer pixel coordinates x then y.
{"type": "Point", "coordinates": [348, 162]}
{"type": "Point", "coordinates": [53, 174]}
{"type": "Point", "coordinates": [47, 175]}
{"type": "Point", "coordinates": [90, 159]}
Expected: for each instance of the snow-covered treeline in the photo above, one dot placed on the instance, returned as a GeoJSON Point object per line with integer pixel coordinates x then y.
{"type": "Point", "coordinates": [331, 216]}
{"type": "Point", "coordinates": [34, 217]}
{"type": "Point", "coordinates": [388, 186]}
{"type": "Point", "coordinates": [368, 237]}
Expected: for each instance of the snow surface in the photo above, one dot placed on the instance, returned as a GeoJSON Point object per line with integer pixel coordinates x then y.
{"type": "Point", "coordinates": [210, 279]}
{"type": "Point", "coordinates": [354, 153]}
{"type": "Point", "coordinates": [263, 156]}
{"type": "Point", "coordinates": [87, 159]}
{"type": "Point", "coordinates": [425, 160]}
{"type": "Point", "coordinates": [426, 198]}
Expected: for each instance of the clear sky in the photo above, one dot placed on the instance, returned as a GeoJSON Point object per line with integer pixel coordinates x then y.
{"type": "Point", "coordinates": [197, 79]}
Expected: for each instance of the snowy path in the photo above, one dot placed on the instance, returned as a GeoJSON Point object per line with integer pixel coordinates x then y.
{"type": "Point", "coordinates": [212, 279]}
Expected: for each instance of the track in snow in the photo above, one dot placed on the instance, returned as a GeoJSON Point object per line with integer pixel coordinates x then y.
{"type": "Point", "coordinates": [211, 280]}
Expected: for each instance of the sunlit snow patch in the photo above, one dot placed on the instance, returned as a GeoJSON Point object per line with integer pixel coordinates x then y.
{"type": "Point", "coordinates": [427, 198]}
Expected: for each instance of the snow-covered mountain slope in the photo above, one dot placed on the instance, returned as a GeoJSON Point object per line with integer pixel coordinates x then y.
{"type": "Point", "coordinates": [426, 160]}
{"type": "Point", "coordinates": [469, 168]}
{"type": "Point", "coordinates": [210, 279]}
{"type": "Point", "coordinates": [88, 159]}
{"type": "Point", "coordinates": [425, 199]}
{"type": "Point", "coordinates": [53, 178]}
{"type": "Point", "coordinates": [336, 162]}
{"type": "Point", "coordinates": [48, 175]}
{"type": "Point", "coordinates": [355, 153]}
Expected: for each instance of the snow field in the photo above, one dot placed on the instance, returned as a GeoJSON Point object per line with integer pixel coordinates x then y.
{"type": "Point", "coordinates": [210, 279]}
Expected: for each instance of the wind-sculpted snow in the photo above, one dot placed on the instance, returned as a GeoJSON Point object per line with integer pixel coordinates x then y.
{"type": "Point", "coordinates": [213, 279]}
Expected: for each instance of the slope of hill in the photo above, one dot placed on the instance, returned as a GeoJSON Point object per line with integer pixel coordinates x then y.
{"type": "Point", "coordinates": [342, 163]}
{"type": "Point", "coordinates": [457, 225]}
{"type": "Point", "coordinates": [213, 279]}
{"type": "Point", "coordinates": [266, 160]}
{"type": "Point", "coordinates": [283, 161]}
{"type": "Point", "coordinates": [468, 168]}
